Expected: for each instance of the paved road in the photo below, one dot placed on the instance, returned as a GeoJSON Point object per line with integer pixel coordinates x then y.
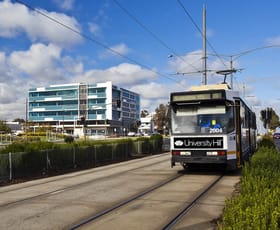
{"type": "Point", "coordinates": [59, 202]}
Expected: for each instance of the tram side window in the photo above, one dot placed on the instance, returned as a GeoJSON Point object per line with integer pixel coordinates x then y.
{"type": "Point", "coordinates": [230, 114]}
{"type": "Point", "coordinates": [245, 118]}
{"type": "Point", "coordinates": [253, 120]}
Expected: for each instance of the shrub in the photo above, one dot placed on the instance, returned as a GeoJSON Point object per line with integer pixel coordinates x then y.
{"type": "Point", "coordinates": [27, 147]}
{"type": "Point", "coordinates": [257, 206]}
{"type": "Point", "coordinates": [32, 159]}
{"type": "Point", "coordinates": [157, 142]}
{"type": "Point", "coordinates": [69, 139]}
{"type": "Point", "coordinates": [267, 141]}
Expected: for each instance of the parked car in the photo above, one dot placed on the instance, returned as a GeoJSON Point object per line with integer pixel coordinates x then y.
{"type": "Point", "coordinates": [147, 134]}
{"type": "Point", "coordinates": [131, 134]}
{"type": "Point", "coordinates": [276, 135]}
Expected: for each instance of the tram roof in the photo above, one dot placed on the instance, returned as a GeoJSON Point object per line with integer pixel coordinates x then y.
{"type": "Point", "coordinates": [210, 87]}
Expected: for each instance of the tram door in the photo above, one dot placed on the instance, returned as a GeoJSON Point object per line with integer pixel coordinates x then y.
{"type": "Point", "coordinates": [238, 132]}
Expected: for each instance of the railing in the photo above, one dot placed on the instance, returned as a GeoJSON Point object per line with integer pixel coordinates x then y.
{"type": "Point", "coordinates": [64, 97]}
{"type": "Point", "coordinates": [55, 118]}
{"type": "Point", "coordinates": [54, 108]}
{"type": "Point", "coordinates": [38, 163]}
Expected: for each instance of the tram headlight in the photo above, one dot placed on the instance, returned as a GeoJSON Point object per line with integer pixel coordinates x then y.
{"type": "Point", "coordinates": [181, 153]}
{"type": "Point", "coordinates": [185, 153]}
{"type": "Point", "coordinates": [215, 153]}
{"type": "Point", "coordinates": [212, 153]}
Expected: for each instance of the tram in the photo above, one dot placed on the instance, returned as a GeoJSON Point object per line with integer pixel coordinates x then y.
{"type": "Point", "coordinates": [211, 124]}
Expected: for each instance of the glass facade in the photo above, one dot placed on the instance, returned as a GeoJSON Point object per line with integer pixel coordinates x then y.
{"type": "Point", "coordinates": [102, 104]}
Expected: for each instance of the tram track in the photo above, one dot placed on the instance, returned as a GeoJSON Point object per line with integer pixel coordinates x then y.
{"type": "Point", "coordinates": [17, 187]}
{"type": "Point", "coordinates": [124, 196]}
{"type": "Point", "coordinates": [182, 214]}
{"type": "Point", "coordinates": [119, 205]}
{"type": "Point", "coordinates": [66, 188]}
{"type": "Point", "coordinates": [111, 212]}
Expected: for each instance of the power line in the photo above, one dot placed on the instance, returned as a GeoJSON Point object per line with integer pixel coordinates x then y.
{"type": "Point", "coordinates": [151, 33]}
{"type": "Point", "coordinates": [96, 41]}
{"type": "Point", "coordinates": [197, 27]}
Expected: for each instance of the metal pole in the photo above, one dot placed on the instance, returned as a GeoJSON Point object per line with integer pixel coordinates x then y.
{"type": "Point", "coordinates": [26, 117]}
{"type": "Point", "coordinates": [74, 157]}
{"type": "Point", "coordinates": [10, 165]}
{"type": "Point", "coordinates": [231, 74]}
{"type": "Point", "coordinates": [204, 47]}
{"type": "Point", "coordinates": [63, 123]}
{"type": "Point", "coordinates": [47, 161]}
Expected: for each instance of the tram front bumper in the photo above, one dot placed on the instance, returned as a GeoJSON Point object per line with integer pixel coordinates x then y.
{"type": "Point", "coordinates": [198, 160]}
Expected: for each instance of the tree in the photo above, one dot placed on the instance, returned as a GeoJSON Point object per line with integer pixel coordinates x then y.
{"type": "Point", "coordinates": [269, 118]}
{"type": "Point", "coordinates": [161, 117]}
{"type": "Point", "coordinates": [4, 128]}
{"type": "Point", "coordinates": [144, 113]}
{"type": "Point", "coordinates": [274, 122]}
{"type": "Point", "coordinates": [20, 120]}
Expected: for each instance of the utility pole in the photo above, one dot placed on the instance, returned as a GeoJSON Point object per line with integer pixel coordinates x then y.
{"type": "Point", "coordinates": [26, 120]}
{"type": "Point", "coordinates": [231, 74]}
{"type": "Point", "coordinates": [204, 81]}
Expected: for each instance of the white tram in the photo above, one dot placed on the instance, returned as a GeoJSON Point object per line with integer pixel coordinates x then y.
{"type": "Point", "coordinates": [211, 124]}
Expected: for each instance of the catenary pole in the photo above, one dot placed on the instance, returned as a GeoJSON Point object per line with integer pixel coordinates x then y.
{"type": "Point", "coordinates": [204, 81]}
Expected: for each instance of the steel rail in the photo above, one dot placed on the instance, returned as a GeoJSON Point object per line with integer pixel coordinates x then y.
{"type": "Point", "coordinates": [86, 171]}
{"type": "Point", "coordinates": [181, 214]}
{"type": "Point", "coordinates": [127, 201]}
{"type": "Point", "coordinates": [50, 193]}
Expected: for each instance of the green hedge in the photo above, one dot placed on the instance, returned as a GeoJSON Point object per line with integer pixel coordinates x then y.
{"type": "Point", "coordinates": [28, 147]}
{"type": "Point", "coordinates": [35, 159]}
{"type": "Point", "coordinates": [267, 141]}
{"type": "Point", "coordinates": [258, 204]}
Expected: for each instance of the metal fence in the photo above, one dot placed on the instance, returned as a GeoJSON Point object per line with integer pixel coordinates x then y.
{"type": "Point", "coordinates": [54, 161]}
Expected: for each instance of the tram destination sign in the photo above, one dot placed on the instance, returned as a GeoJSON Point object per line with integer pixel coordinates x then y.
{"type": "Point", "coordinates": [194, 96]}
{"type": "Point", "coordinates": [198, 142]}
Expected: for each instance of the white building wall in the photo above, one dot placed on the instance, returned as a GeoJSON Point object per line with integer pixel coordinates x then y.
{"type": "Point", "coordinates": [109, 97]}
{"type": "Point", "coordinates": [147, 124]}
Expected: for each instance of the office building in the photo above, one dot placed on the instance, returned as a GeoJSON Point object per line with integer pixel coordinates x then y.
{"type": "Point", "coordinates": [94, 109]}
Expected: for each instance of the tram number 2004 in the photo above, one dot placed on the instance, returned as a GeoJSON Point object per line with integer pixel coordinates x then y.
{"type": "Point", "coordinates": [216, 130]}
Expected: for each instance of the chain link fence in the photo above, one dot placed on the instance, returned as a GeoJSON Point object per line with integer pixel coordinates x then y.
{"type": "Point", "coordinates": [22, 165]}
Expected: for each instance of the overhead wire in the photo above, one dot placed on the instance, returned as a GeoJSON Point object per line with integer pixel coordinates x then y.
{"type": "Point", "coordinates": [152, 33]}
{"type": "Point", "coordinates": [198, 28]}
{"type": "Point", "coordinates": [97, 42]}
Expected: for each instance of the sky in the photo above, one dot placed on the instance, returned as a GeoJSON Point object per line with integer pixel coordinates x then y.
{"type": "Point", "coordinates": [152, 47]}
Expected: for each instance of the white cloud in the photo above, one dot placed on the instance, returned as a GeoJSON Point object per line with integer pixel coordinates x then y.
{"type": "Point", "coordinates": [13, 92]}
{"type": "Point", "coordinates": [72, 66]}
{"type": "Point", "coordinates": [94, 28]}
{"type": "Point", "coordinates": [190, 66]}
{"type": "Point", "coordinates": [153, 94]}
{"type": "Point", "coordinates": [14, 109]}
{"type": "Point", "coordinates": [116, 50]}
{"type": "Point", "coordinates": [188, 63]}
{"type": "Point", "coordinates": [152, 90]}
{"type": "Point", "coordinates": [65, 4]}
{"type": "Point", "coordinates": [16, 19]}
{"type": "Point", "coordinates": [41, 65]}
{"type": "Point", "coordinates": [6, 94]}
{"type": "Point", "coordinates": [3, 65]}
{"type": "Point", "coordinates": [209, 33]}
{"type": "Point", "coordinates": [39, 62]}
{"type": "Point", "coordinates": [124, 74]}
{"type": "Point", "coordinates": [274, 41]}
